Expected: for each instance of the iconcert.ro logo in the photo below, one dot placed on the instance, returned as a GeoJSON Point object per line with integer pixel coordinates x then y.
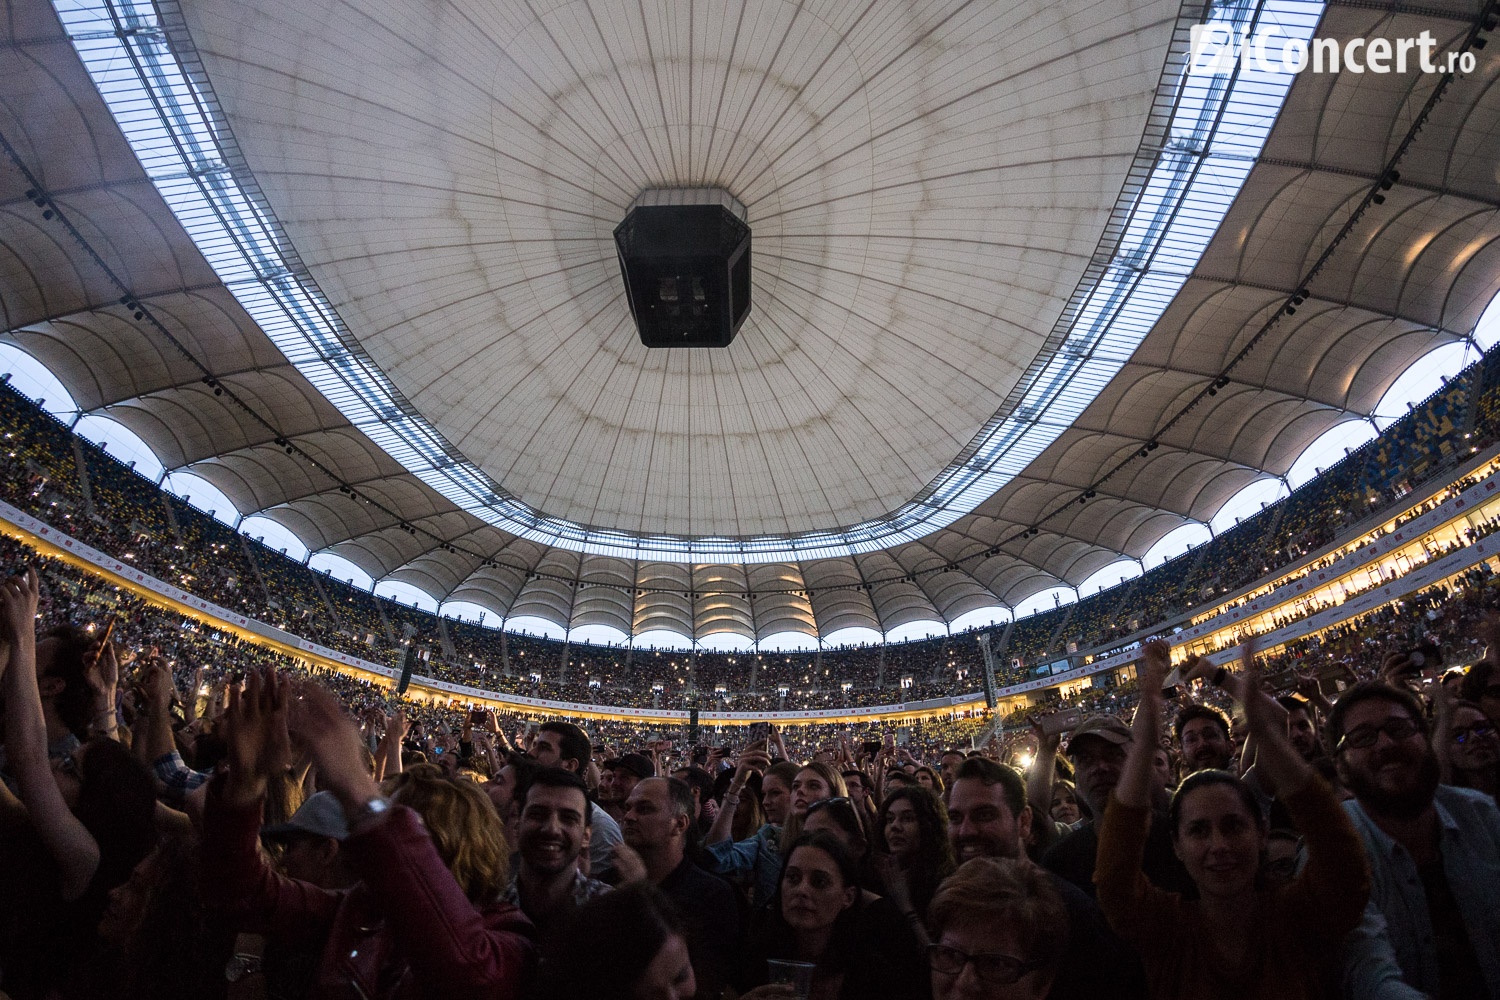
{"type": "Point", "coordinates": [1217, 49]}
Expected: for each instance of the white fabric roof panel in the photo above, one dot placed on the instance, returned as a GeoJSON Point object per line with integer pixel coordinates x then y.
{"type": "Point", "coordinates": [457, 208]}
{"type": "Point", "coordinates": [465, 241]}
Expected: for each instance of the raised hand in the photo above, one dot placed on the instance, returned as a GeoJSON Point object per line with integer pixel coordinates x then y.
{"type": "Point", "coordinates": [103, 673]}
{"type": "Point", "coordinates": [1395, 667]}
{"type": "Point", "coordinates": [1196, 668]}
{"type": "Point", "coordinates": [318, 720]}
{"type": "Point", "coordinates": [1283, 770]}
{"type": "Point", "coordinates": [754, 759]}
{"type": "Point", "coordinates": [1307, 686]}
{"type": "Point", "coordinates": [897, 890]}
{"type": "Point", "coordinates": [157, 684]}
{"type": "Point", "coordinates": [1045, 742]}
{"type": "Point", "coordinates": [1251, 671]}
{"type": "Point", "coordinates": [1156, 665]}
{"type": "Point", "coordinates": [254, 729]}
{"type": "Point", "coordinates": [18, 601]}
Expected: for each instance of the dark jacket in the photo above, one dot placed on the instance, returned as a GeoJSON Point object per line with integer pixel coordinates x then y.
{"type": "Point", "coordinates": [407, 931]}
{"type": "Point", "coordinates": [711, 912]}
{"type": "Point", "coordinates": [1073, 858]}
{"type": "Point", "coordinates": [873, 946]}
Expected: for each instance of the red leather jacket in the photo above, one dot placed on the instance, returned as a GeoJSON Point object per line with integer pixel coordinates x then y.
{"type": "Point", "coordinates": [405, 932]}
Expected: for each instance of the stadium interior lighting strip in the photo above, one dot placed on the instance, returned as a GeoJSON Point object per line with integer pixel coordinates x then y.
{"type": "Point", "coordinates": [1216, 126]}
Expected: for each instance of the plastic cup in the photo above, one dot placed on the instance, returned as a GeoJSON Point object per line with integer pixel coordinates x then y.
{"type": "Point", "coordinates": [798, 975]}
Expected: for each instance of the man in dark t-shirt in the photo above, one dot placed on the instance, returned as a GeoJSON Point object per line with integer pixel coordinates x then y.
{"type": "Point", "coordinates": [1097, 751]}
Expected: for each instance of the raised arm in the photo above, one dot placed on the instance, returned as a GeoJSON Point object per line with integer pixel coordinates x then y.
{"type": "Point", "coordinates": [1442, 728]}
{"type": "Point", "coordinates": [156, 739]}
{"type": "Point", "coordinates": [71, 846]}
{"type": "Point", "coordinates": [1135, 908]}
{"type": "Point", "coordinates": [753, 760]}
{"type": "Point", "coordinates": [1201, 668]}
{"type": "Point", "coordinates": [452, 945]}
{"type": "Point", "coordinates": [1043, 768]}
{"type": "Point", "coordinates": [1280, 767]}
{"type": "Point", "coordinates": [779, 743]}
{"type": "Point", "coordinates": [395, 733]}
{"type": "Point", "coordinates": [1134, 789]}
{"type": "Point", "coordinates": [190, 702]}
{"type": "Point", "coordinates": [102, 675]}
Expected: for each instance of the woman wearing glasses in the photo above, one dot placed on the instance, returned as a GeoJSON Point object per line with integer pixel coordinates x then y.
{"type": "Point", "coordinates": [1001, 930]}
{"type": "Point", "coordinates": [1239, 938]}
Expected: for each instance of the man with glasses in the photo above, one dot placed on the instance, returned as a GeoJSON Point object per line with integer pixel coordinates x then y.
{"type": "Point", "coordinates": [1432, 927]}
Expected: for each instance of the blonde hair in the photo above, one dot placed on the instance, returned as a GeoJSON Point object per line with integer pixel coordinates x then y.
{"type": "Point", "coordinates": [1010, 890]}
{"type": "Point", "coordinates": [463, 825]}
{"type": "Point", "coordinates": [284, 796]}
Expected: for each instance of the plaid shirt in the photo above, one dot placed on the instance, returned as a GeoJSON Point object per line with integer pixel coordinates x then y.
{"type": "Point", "coordinates": [176, 777]}
{"type": "Point", "coordinates": [584, 889]}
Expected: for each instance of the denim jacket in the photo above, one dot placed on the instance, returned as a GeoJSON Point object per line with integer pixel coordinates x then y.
{"type": "Point", "coordinates": [757, 856]}
{"type": "Point", "coordinates": [1392, 954]}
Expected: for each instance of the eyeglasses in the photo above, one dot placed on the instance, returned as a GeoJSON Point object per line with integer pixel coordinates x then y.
{"type": "Point", "coordinates": [992, 967]}
{"type": "Point", "coordinates": [1478, 731]}
{"type": "Point", "coordinates": [1364, 737]}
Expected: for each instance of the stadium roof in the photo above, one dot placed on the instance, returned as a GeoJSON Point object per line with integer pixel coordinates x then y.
{"type": "Point", "coordinates": [1007, 258]}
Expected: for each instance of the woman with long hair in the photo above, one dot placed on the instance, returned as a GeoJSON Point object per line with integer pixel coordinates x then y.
{"type": "Point", "coordinates": [813, 782]}
{"type": "Point", "coordinates": [1239, 937]}
{"type": "Point", "coordinates": [1065, 808]}
{"type": "Point", "coordinates": [156, 940]}
{"type": "Point", "coordinates": [629, 944]}
{"type": "Point", "coordinates": [80, 825]}
{"type": "Point", "coordinates": [911, 839]}
{"type": "Point", "coordinates": [748, 814]}
{"type": "Point", "coordinates": [839, 817]}
{"type": "Point", "coordinates": [929, 779]}
{"type": "Point", "coordinates": [815, 918]}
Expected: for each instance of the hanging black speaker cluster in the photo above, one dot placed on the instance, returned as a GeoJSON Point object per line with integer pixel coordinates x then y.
{"type": "Point", "coordinates": [685, 257]}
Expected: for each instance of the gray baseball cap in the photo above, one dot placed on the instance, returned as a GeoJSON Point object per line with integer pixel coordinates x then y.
{"type": "Point", "coordinates": [1105, 727]}
{"type": "Point", "coordinates": [320, 816]}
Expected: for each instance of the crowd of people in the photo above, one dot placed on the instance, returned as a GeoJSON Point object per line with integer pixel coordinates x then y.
{"type": "Point", "coordinates": [78, 488]}
{"type": "Point", "coordinates": [191, 815]}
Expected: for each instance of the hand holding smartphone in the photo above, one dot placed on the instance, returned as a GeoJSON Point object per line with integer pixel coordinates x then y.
{"type": "Point", "coordinates": [1061, 722]}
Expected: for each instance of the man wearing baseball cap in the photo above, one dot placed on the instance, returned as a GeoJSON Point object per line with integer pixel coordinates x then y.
{"type": "Point", "coordinates": [1097, 751]}
{"type": "Point", "coordinates": [618, 778]}
{"type": "Point", "coordinates": [312, 839]}
{"type": "Point", "coordinates": [312, 851]}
